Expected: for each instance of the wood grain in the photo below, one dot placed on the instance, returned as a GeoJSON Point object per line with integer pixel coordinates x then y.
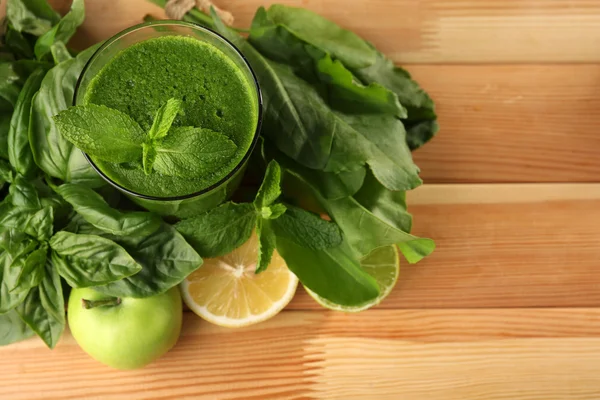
{"type": "Point", "coordinates": [525, 354]}
{"type": "Point", "coordinates": [501, 246]}
{"type": "Point", "coordinates": [500, 123]}
{"type": "Point", "coordinates": [420, 31]}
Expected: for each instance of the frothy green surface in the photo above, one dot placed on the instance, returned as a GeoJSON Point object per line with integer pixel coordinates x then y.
{"type": "Point", "coordinates": [215, 95]}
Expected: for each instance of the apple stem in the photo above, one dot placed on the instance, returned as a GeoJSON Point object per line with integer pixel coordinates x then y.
{"type": "Point", "coordinates": [113, 301]}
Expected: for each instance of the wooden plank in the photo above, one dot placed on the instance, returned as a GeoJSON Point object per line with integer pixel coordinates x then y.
{"type": "Point", "coordinates": [413, 354]}
{"type": "Point", "coordinates": [501, 246]}
{"type": "Point", "coordinates": [500, 123]}
{"type": "Point", "coordinates": [419, 31]}
{"type": "Point", "coordinates": [512, 123]}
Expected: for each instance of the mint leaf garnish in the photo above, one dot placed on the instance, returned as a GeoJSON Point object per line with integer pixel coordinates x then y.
{"type": "Point", "coordinates": [102, 132]}
{"type": "Point", "coordinates": [190, 152]}
{"type": "Point", "coordinates": [270, 189]}
{"type": "Point", "coordinates": [148, 157]}
{"type": "Point", "coordinates": [266, 244]}
{"type": "Point", "coordinates": [164, 118]}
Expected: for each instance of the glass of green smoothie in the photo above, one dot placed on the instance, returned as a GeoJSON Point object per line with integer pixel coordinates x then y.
{"type": "Point", "coordinates": [138, 70]}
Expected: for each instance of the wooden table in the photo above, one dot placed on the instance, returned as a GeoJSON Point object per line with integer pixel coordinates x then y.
{"type": "Point", "coordinates": [508, 307]}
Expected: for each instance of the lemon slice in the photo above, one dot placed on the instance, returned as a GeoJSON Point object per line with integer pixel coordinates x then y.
{"type": "Point", "coordinates": [383, 264]}
{"type": "Point", "coordinates": [227, 292]}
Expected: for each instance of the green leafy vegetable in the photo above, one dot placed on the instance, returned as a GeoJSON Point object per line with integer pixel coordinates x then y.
{"type": "Point", "coordinates": [164, 119]}
{"type": "Point", "coordinates": [19, 150]}
{"type": "Point", "coordinates": [191, 152]}
{"type": "Point", "coordinates": [9, 299]}
{"type": "Point", "coordinates": [31, 16]}
{"type": "Point", "coordinates": [13, 329]}
{"type": "Point", "coordinates": [44, 309]}
{"type": "Point", "coordinates": [92, 207]}
{"type": "Point", "coordinates": [62, 31]}
{"type": "Point", "coordinates": [221, 230]}
{"type": "Point", "coordinates": [267, 242]}
{"type": "Point", "coordinates": [31, 269]}
{"type": "Point", "coordinates": [102, 132]}
{"type": "Point", "coordinates": [90, 260]}
{"type": "Point", "coordinates": [307, 229]}
{"type": "Point", "coordinates": [24, 194]}
{"type": "Point", "coordinates": [55, 155]}
{"type": "Point", "coordinates": [36, 223]}
{"type": "Point", "coordinates": [270, 189]}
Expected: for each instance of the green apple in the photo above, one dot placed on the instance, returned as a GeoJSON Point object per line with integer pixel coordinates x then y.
{"type": "Point", "coordinates": [125, 333]}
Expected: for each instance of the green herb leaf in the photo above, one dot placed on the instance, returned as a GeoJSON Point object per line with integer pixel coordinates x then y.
{"type": "Point", "coordinates": [102, 132]}
{"type": "Point", "coordinates": [307, 229]}
{"type": "Point", "coordinates": [90, 260]}
{"type": "Point", "coordinates": [13, 329]}
{"type": "Point", "coordinates": [332, 273]}
{"type": "Point", "coordinates": [9, 299]}
{"type": "Point", "coordinates": [17, 43]}
{"type": "Point", "coordinates": [166, 260]}
{"type": "Point", "coordinates": [31, 16]}
{"type": "Point", "coordinates": [191, 152]}
{"type": "Point", "coordinates": [267, 243]}
{"type": "Point", "coordinates": [220, 230]}
{"type": "Point", "coordinates": [92, 207]}
{"type": "Point", "coordinates": [11, 240]}
{"type": "Point", "coordinates": [273, 212]}
{"type": "Point", "coordinates": [270, 189]}
{"type": "Point", "coordinates": [24, 194]}
{"type": "Point", "coordinates": [164, 118]}
{"type": "Point", "coordinates": [31, 269]}
{"type": "Point", "coordinates": [35, 223]}
{"type": "Point", "coordinates": [6, 172]}
{"type": "Point", "coordinates": [62, 31]}
{"type": "Point", "coordinates": [60, 53]}
{"type": "Point", "coordinates": [55, 155]}
{"type": "Point", "coordinates": [19, 150]}
{"type": "Point", "coordinates": [44, 308]}
{"type": "Point", "coordinates": [148, 157]}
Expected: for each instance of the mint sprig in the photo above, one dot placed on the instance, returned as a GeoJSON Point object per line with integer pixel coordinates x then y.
{"type": "Point", "coordinates": [112, 136]}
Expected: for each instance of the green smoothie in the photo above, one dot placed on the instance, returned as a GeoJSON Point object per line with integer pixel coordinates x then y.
{"type": "Point", "coordinates": [215, 94]}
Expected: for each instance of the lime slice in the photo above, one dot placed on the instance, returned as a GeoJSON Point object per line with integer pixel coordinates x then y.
{"type": "Point", "coordinates": [383, 264]}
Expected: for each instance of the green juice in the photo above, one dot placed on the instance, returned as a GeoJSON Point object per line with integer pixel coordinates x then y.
{"type": "Point", "coordinates": [215, 95]}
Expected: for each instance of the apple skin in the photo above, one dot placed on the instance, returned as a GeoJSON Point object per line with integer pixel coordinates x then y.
{"type": "Point", "coordinates": [126, 336]}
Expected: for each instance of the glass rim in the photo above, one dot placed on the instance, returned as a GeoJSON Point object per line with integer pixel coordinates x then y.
{"type": "Point", "coordinates": [238, 166]}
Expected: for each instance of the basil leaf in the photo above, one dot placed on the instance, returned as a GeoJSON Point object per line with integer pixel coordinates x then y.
{"type": "Point", "coordinates": [17, 43]}
{"type": "Point", "coordinates": [266, 244]}
{"type": "Point", "coordinates": [19, 150]}
{"type": "Point", "coordinates": [164, 119]}
{"type": "Point", "coordinates": [62, 31]}
{"type": "Point", "coordinates": [13, 329]}
{"type": "Point", "coordinates": [11, 240]}
{"type": "Point", "coordinates": [6, 111]}
{"type": "Point", "coordinates": [31, 269]}
{"type": "Point", "coordinates": [92, 207]}
{"type": "Point", "coordinates": [90, 260]}
{"type": "Point", "coordinates": [44, 308]}
{"type": "Point", "coordinates": [307, 229]}
{"type": "Point", "coordinates": [38, 224]}
{"type": "Point", "coordinates": [332, 273]}
{"type": "Point", "coordinates": [9, 299]}
{"type": "Point", "coordinates": [220, 230]}
{"type": "Point", "coordinates": [24, 194]}
{"type": "Point", "coordinates": [6, 172]}
{"type": "Point", "coordinates": [31, 16]}
{"type": "Point", "coordinates": [166, 260]}
{"type": "Point", "coordinates": [191, 152]}
{"type": "Point", "coordinates": [55, 155]}
{"type": "Point", "coordinates": [102, 132]}
{"type": "Point", "coordinates": [270, 189]}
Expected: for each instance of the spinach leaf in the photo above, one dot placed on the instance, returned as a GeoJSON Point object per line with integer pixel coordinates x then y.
{"type": "Point", "coordinates": [307, 229]}
{"type": "Point", "coordinates": [220, 230]}
{"type": "Point", "coordinates": [166, 260]}
{"type": "Point", "coordinates": [31, 269]}
{"type": "Point", "coordinates": [55, 155]}
{"type": "Point", "coordinates": [270, 189]}
{"type": "Point", "coordinates": [191, 152]}
{"type": "Point", "coordinates": [13, 329]}
{"type": "Point", "coordinates": [90, 260]}
{"type": "Point", "coordinates": [62, 31]}
{"type": "Point", "coordinates": [92, 207]}
{"type": "Point", "coordinates": [102, 132]}
{"type": "Point", "coordinates": [44, 308]}
{"type": "Point", "coordinates": [267, 242]}
{"type": "Point", "coordinates": [9, 299]}
{"type": "Point", "coordinates": [332, 273]}
{"type": "Point", "coordinates": [24, 194]}
{"type": "Point", "coordinates": [19, 150]}
{"type": "Point", "coordinates": [31, 16]}
{"type": "Point", "coordinates": [164, 119]}
{"type": "Point", "coordinates": [279, 42]}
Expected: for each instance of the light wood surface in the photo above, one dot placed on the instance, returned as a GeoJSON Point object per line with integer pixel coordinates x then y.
{"type": "Point", "coordinates": [507, 308]}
